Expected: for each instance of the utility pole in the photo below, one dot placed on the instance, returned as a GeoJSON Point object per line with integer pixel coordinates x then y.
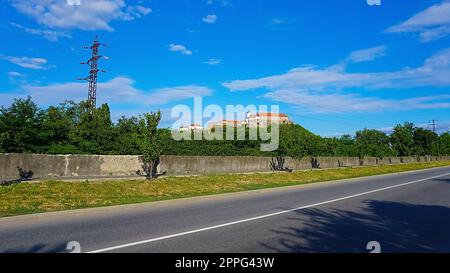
{"type": "Point", "coordinates": [93, 72]}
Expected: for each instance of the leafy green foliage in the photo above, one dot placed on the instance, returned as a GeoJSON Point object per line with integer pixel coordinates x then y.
{"type": "Point", "coordinates": [402, 139]}
{"type": "Point", "coordinates": [3, 137]}
{"type": "Point", "coordinates": [20, 126]}
{"type": "Point", "coordinates": [343, 146]}
{"type": "Point", "coordinates": [149, 140]}
{"type": "Point", "coordinates": [92, 132]}
{"type": "Point", "coordinates": [73, 128]}
{"type": "Point", "coordinates": [297, 142]}
{"type": "Point", "coordinates": [372, 143]}
{"type": "Point", "coordinates": [444, 144]}
{"type": "Point", "coordinates": [425, 142]}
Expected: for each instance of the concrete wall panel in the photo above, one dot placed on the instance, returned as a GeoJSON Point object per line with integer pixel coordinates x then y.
{"type": "Point", "coordinates": [48, 166]}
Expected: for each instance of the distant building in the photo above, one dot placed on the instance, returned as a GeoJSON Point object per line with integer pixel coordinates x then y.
{"type": "Point", "coordinates": [254, 120]}
{"type": "Point", "coordinates": [232, 123]}
{"type": "Point", "coordinates": [266, 119]}
{"type": "Point", "coordinates": [192, 127]}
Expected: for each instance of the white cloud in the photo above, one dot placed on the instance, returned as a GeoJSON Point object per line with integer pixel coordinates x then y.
{"type": "Point", "coordinates": [435, 71]}
{"type": "Point", "coordinates": [90, 15]}
{"type": "Point", "coordinates": [223, 3]}
{"type": "Point", "coordinates": [180, 48]}
{"type": "Point", "coordinates": [340, 103]}
{"type": "Point", "coordinates": [368, 54]}
{"type": "Point", "coordinates": [210, 19]}
{"type": "Point", "coordinates": [278, 21]}
{"type": "Point", "coordinates": [322, 90]}
{"type": "Point", "coordinates": [27, 62]}
{"type": "Point", "coordinates": [431, 24]}
{"type": "Point", "coordinates": [119, 90]}
{"type": "Point", "coordinates": [164, 95]}
{"type": "Point", "coordinates": [14, 74]}
{"type": "Point", "coordinates": [50, 35]}
{"type": "Point", "coordinates": [282, 23]}
{"type": "Point", "coordinates": [213, 61]}
{"type": "Point", "coordinates": [135, 12]}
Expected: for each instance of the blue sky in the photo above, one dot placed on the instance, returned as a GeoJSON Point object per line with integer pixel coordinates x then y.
{"type": "Point", "coordinates": [333, 66]}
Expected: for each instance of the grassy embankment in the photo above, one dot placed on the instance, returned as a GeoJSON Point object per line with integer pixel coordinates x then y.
{"type": "Point", "coordinates": [28, 198]}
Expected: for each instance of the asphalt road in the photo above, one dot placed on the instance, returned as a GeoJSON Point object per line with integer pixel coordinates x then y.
{"type": "Point", "coordinates": [407, 212]}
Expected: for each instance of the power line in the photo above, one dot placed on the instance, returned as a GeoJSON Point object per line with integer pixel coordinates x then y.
{"type": "Point", "coordinates": [351, 121]}
{"type": "Point", "coordinates": [363, 120]}
{"type": "Point", "coordinates": [332, 121]}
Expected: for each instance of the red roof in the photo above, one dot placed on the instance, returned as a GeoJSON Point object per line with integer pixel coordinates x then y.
{"type": "Point", "coordinates": [230, 121]}
{"type": "Point", "coordinates": [272, 115]}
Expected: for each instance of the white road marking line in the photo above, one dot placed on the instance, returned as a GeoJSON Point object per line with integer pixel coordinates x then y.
{"type": "Point", "coordinates": [259, 217]}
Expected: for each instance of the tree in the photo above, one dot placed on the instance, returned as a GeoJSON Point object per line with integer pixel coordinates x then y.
{"type": "Point", "coordinates": [57, 122]}
{"type": "Point", "coordinates": [372, 143]}
{"type": "Point", "coordinates": [425, 142]}
{"type": "Point", "coordinates": [346, 146]}
{"type": "Point", "coordinates": [75, 128]}
{"type": "Point", "coordinates": [3, 137]}
{"type": "Point", "coordinates": [92, 130]}
{"type": "Point", "coordinates": [103, 132]}
{"type": "Point", "coordinates": [444, 144]}
{"type": "Point", "coordinates": [402, 139]}
{"type": "Point", "coordinates": [20, 125]}
{"type": "Point", "coordinates": [124, 131]}
{"type": "Point", "coordinates": [297, 142]}
{"type": "Point", "coordinates": [150, 142]}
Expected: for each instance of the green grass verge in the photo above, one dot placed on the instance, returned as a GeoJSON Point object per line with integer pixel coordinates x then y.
{"type": "Point", "coordinates": [28, 198]}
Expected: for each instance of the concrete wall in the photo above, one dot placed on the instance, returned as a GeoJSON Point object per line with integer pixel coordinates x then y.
{"type": "Point", "coordinates": [47, 166]}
